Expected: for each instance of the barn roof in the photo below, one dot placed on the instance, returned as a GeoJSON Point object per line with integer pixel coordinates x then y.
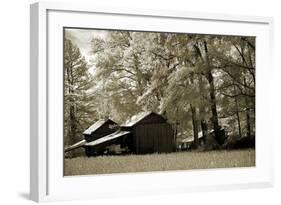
{"type": "Point", "coordinates": [76, 145]}
{"type": "Point", "coordinates": [191, 138]}
{"type": "Point", "coordinates": [95, 126]}
{"type": "Point", "coordinates": [107, 138]}
{"type": "Point", "coordinates": [136, 118]}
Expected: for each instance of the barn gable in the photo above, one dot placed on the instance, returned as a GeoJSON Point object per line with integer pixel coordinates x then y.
{"type": "Point", "coordinates": [100, 129]}
{"type": "Point", "coordinates": [97, 125]}
{"type": "Point", "coordinates": [142, 118]}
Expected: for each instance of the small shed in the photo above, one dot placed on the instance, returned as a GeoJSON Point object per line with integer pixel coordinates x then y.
{"type": "Point", "coordinates": [187, 142]}
{"type": "Point", "coordinates": [96, 131]}
{"type": "Point", "coordinates": [150, 133]}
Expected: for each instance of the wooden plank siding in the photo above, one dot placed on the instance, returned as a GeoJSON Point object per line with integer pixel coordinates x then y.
{"type": "Point", "coordinates": [154, 138]}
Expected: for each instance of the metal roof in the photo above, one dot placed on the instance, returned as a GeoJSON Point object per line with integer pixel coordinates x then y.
{"type": "Point", "coordinates": [95, 126]}
{"type": "Point", "coordinates": [136, 118]}
{"type": "Point", "coordinates": [191, 138]}
{"type": "Point", "coordinates": [76, 145]}
{"type": "Point", "coordinates": [107, 138]}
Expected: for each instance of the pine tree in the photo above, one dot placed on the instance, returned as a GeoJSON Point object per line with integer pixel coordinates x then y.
{"type": "Point", "coordinates": [77, 99]}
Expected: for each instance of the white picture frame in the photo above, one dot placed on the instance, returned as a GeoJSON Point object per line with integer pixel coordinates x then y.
{"type": "Point", "coordinates": [47, 182]}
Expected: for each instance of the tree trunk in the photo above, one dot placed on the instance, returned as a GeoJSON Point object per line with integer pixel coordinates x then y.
{"type": "Point", "coordinates": [238, 118]}
{"type": "Point", "coordinates": [175, 134]}
{"type": "Point", "coordinates": [214, 117]}
{"type": "Point", "coordinates": [195, 126]}
{"type": "Point", "coordinates": [248, 121]}
{"type": "Point", "coordinates": [204, 126]}
{"type": "Point", "coordinates": [237, 115]}
{"type": "Point", "coordinates": [212, 94]}
{"type": "Point", "coordinates": [72, 123]}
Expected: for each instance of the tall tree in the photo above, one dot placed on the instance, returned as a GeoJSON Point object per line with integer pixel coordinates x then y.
{"type": "Point", "coordinates": [77, 82]}
{"type": "Point", "coordinates": [204, 57]}
{"type": "Point", "coordinates": [236, 61]}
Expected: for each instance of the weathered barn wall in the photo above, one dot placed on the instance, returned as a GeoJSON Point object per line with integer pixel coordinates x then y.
{"type": "Point", "coordinates": [152, 134]}
{"type": "Point", "coordinates": [154, 138]}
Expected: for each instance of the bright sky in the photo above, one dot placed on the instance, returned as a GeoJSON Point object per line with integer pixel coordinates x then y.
{"type": "Point", "coordinates": [82, 39]}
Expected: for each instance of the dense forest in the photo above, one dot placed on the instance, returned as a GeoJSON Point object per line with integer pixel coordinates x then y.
{"type": "Point", "coordinates": [202, 84]}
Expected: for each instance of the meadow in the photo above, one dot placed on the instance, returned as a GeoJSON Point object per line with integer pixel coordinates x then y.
{"type": "Point", "coordinates": [159, 162]}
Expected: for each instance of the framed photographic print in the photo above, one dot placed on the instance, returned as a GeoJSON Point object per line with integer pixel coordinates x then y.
{"type": "Point", "coordinates": [150, 101]}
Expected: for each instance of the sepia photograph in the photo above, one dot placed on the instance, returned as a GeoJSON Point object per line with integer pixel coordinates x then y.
{"type": "Point", "coordinates": [144, 101]}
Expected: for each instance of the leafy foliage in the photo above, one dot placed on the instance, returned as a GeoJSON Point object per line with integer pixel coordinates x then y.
{"type": "Point", "coordinates": [78, 109]}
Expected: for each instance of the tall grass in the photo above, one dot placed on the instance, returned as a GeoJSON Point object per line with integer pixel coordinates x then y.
{"type": "Point", "coordinates": [159, 162]}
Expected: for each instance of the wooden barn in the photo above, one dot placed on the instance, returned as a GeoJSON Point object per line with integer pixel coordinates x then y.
{"type": "Point", "coordinates": [144, 133]}
{"type": "Point", "coordinates": [150, 133]}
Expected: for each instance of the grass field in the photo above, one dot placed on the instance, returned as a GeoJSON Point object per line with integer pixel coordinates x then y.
{"type": "Point", "coordinates": [159, 162]}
